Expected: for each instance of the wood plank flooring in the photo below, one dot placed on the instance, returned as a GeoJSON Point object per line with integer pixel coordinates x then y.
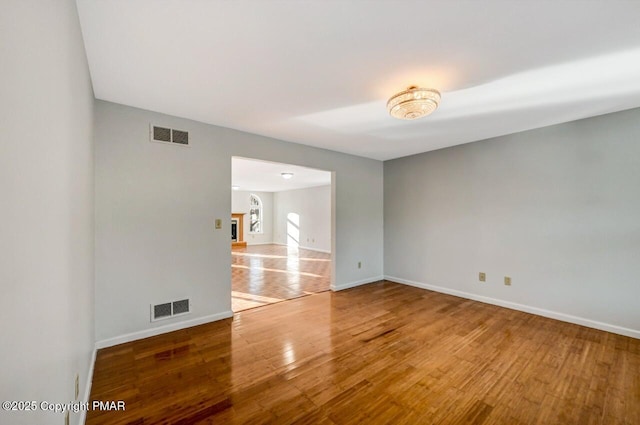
{"type": "Point", "coordinates": [383, 353]}
{"type": "Point", "coordinates": [265, 274]}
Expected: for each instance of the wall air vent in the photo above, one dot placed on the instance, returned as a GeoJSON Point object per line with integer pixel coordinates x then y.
{"type": "Point", "coordinates": [161, 311]}
{"type": "Point", "coordinates": [161, 134]}
{"type": "Point", "coordinates": [168, 135]}
{"type": "Point", "coordinates": [170, 309]}
{"type": "Point", "coordinates": [181, 137]}
{"type": "Point", "coordinates": [180, 307]}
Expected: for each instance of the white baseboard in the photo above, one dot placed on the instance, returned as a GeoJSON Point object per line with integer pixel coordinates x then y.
{"type": "Point", "coordinates": [315, 249]}
{"type": "Point", "coordinates": [162, 329]}
{"type": "Point", "coordinates": [633, 333]}
{"type": "Point", "coordinates": [260, 243]}
{"type": "Point", "coordinates": [348, 285]}
{"type": "Point", "coordinates": [87, 387]}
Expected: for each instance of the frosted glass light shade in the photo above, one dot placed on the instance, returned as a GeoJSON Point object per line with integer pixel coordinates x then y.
{"type": "Point", "coordinates": [413, 103]}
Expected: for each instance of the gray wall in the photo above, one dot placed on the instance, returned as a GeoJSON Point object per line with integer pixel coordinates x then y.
{"type": "Point", "coordinates": [557, 209]}
{"type": "Point", "coordinates": [46, 230]}
{"type": "Point", "coordinates": [313, 206]}
{"type": "Point", "coordinates": [155, 211]}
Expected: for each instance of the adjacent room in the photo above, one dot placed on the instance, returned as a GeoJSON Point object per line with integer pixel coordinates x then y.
{"type": "Point", "coordinates": [320, 211]}
{"type": "Point", "coordinates": [280, 232]}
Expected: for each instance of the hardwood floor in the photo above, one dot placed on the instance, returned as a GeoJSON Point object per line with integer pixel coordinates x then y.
{"type": "Point", "coordinates": [382, 353]}
{"type": "Point", "coordinates": [264, 274]}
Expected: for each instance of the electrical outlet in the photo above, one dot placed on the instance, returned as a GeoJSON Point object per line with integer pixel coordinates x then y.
{"type": "Point", "coordinates": [482, 277]}
{"type": "Point", "coordinates": [507, 280]}
{"type": "Point", "coordinates": [359, 264]}
{"type": "Point", "coordinates": [77, 385]}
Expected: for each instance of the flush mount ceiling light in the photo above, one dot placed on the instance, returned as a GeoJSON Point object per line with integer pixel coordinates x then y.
{"type": "Point", "coordinates": [286, 176]}
{"type": "Point", "coordinates": [413, 103]}
{"type": "Point", "coordinates": [235, 187]}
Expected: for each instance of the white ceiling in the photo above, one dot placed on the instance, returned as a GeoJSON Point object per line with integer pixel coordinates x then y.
{"type": "Point", "coordinates": [320, 72]}
{"type": "Point", "coordinates": [264, 176]}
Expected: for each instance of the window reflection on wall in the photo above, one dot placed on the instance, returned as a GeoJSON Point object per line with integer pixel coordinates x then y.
{"type": "Point", "coordinates": [293, 229]}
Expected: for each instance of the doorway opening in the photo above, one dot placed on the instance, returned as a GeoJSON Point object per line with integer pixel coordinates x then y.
{"type": "Point", "coordinates": [282, 232]}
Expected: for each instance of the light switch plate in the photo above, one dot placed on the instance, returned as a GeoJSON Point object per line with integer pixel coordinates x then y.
{"type": "Point", "coordinates": [218, 223]}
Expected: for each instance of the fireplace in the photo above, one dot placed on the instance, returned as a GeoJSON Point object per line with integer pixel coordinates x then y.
{"type": "Point", "coordinates": [237, 230]}
{"type": "Point", "coordinates": [234, 230]}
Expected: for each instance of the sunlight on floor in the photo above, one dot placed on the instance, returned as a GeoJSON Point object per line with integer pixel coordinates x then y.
{"type": "Point", "coordinates": [246, 254]}
{"type": "Point", "coordinates": [293, 272]}
{"type": "Point", "coordinates": [266, 274]}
